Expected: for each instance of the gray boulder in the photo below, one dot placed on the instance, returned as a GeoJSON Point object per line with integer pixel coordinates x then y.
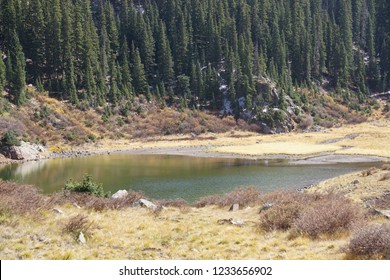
{"type": "Point", "coordinates": [120, 194]}
{"type": "Point", "coordinates": [25, 151]}
{"type": "Point", "coordinates": [147, 204]}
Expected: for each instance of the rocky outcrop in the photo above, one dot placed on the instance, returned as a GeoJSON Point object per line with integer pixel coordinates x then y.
{"type": "Point", "coordinates": [26, 151]}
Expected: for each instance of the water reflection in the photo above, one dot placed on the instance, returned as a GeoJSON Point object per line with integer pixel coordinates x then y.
{"type": "Point", "coordinates": [168, 177]}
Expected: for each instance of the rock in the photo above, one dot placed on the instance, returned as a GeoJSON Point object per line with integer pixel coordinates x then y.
{"type": "Point", "coordinates": [355, 182]}
{"type": "Point", "coordinates": [231, 222]}
{"type": "Point", "coordinates": [120, 194]}
{"type": "Point", "coordinates": [76, 205]}
{"type": "Point", "coordinates": [239, 223]}
{"type": "Point", "coordinates": [266, 206]}
{"type": "Point", "coordinates": [25, 151]}
{"type": "Point", "coordinates": [59, 211]}
{"type": "Point", "coordinates": [147, 204]}
{"type": "Point", "coordinates": [385, 213]}
{"type": "Point", "coordinates": [82, 238]}
{"type": "Point", "coordinates": [234, 207]}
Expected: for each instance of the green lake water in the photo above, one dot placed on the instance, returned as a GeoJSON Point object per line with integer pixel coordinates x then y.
{"type": "Point", "coordinates": [170, 177]}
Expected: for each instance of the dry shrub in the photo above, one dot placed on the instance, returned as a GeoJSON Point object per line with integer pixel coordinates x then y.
{"type": "Point", "coordinates": [356, 119]}
{"type": "Point", "coordinates": [307, 213]}
{"type": "Point", "coordinates": [306, 122]}
{"type": "Point", "coordinates": [241, 196]}
{"type": "Point", "coordinates": [382, 202]}
{"type": "Point", "coordinates": [385, 177]}
{"type": "Point", "coordinates": [22, 199]}
{"type": "Point", "coordinates": [386, 166]}
{"type": "Point", "coordinates": [368, 172]}
{"type": "Point", "coordinates": [280, 216]}
{"type": "Point", "coordinates": [207, 200]}
{"type": "Point", "coordinates": [77, 224]}
{"type": "Point", "coordinates": [100, 203]}
{"type": "Point", "coordinates": [329, 215]}
{"type": "Point", "coordinates": [370, 242]}
{"type": "Point", "coordinates": [175, 203]}
{"type": "Point", "coordinates": [286, 206]}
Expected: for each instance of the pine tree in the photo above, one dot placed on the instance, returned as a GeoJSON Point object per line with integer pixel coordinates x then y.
{"type": "Point", "coordinates": [17, 78]}
{"type": "Point", "coordinates": [164, 56]}
{"type": "Point", "coordinates": [2, 73]}
{"type": "Point", "coordinates": [139, 78]}
{"type": "Point", "coordinates": [126, 85]}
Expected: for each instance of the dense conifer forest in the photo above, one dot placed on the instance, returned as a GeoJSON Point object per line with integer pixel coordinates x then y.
{"type": "Point", "coordinates": [219, 55]}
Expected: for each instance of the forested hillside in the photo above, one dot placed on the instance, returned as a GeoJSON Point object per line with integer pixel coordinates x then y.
{"type": "Point", "coordinates": [238, 57]}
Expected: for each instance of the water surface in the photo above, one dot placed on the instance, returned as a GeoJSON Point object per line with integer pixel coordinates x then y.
{"type": "Point", "coordinates": [170, 177]}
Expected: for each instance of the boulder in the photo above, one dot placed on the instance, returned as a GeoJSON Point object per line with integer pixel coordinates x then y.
{"type": "Point", "coordinates": [58, 211]}
{"type": "Point", "coordinates": [234, 207]}
{"type": "Point", "coordinates": [25, 151]}
{"type": "Point", "coordinates": [120, 194]}
{"type": "Point", "coordinates": [82, 238]}
{"type": "Point", "coordinates": [266, 206]}
{"type": "Point", "coordinates": [147, 204]}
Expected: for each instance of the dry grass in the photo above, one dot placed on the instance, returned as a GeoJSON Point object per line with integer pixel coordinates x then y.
{"type": "Point", "coordinates": [356, 186]}
{"type": "Point", "coordinates": [137, 234]}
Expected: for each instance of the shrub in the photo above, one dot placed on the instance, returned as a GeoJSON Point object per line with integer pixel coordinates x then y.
{"type": "Point", "coordinates": [280, 216]}
{"type": "Point", "coordinates": [306, 122]}
{"type": "Point", "coordinates": [242, 196]}
{"type": "Point", "coordinates": [385, 177]}
{"type": "Point", "coordinates": [77, 224]}
{"type": "Point", "coordinates": [369, 171]}
{"type": "Point", "coordinates": [372, 241]}
{"type": "Point", "coordinates": [87, 185]}
{"type": "Point", "coordinates": [10, 139]}
{"type": "Point", "coordinates": [99, 203]}
{"type": "Point", "coordinates": [386, 166]}
{"type": "Point", "coordinates": [21, 199]}
{"type": "Point", "coordinates": [176, 203]}
{"type": "Point", "coordinates": [329, 215]}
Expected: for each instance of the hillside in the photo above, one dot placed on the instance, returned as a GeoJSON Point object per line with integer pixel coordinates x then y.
{"type": "Point", "coordinates": [274, 65]}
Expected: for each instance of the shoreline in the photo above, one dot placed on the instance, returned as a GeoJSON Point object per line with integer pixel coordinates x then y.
{"type": "Point", "coordinates": [204, 152]}
{"type": "Point", "coordinates": [365, 142]}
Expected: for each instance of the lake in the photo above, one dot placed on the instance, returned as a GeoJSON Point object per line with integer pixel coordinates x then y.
{"type": "Point", "coordinates": [170, 177]}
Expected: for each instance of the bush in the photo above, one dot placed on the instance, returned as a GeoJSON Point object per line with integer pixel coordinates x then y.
{"type": "Point", "coordinates": [368, 172]}
{"type": "Point", "coordinates": [86, 186]}
{"type": "Point", "coordinates": [385, 177]}
{"type": "Point", "coordinates": [385, 166]}
{"type": "Point", "coordinates": [280, 216]}
{"type": "Point", "coordinates": [22, 199]}
{"type": "Point", "coordinates": [10, 139]}
{"type": "Point", "coordinates": [77, 224]}
{"type": "Point", "coordinates": [372, 241]}
{"type": "Point", "coordinates": [242, 196]}
{"type": "Point", "coordinates": [330, 215]}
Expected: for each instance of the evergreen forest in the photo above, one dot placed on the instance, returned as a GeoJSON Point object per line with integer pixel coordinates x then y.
{"type": "Point", "coordinates": [215, 55]}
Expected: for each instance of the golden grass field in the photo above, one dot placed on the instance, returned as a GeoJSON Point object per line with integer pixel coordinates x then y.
{"type": "Point", "coordinates": [367, 139]}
